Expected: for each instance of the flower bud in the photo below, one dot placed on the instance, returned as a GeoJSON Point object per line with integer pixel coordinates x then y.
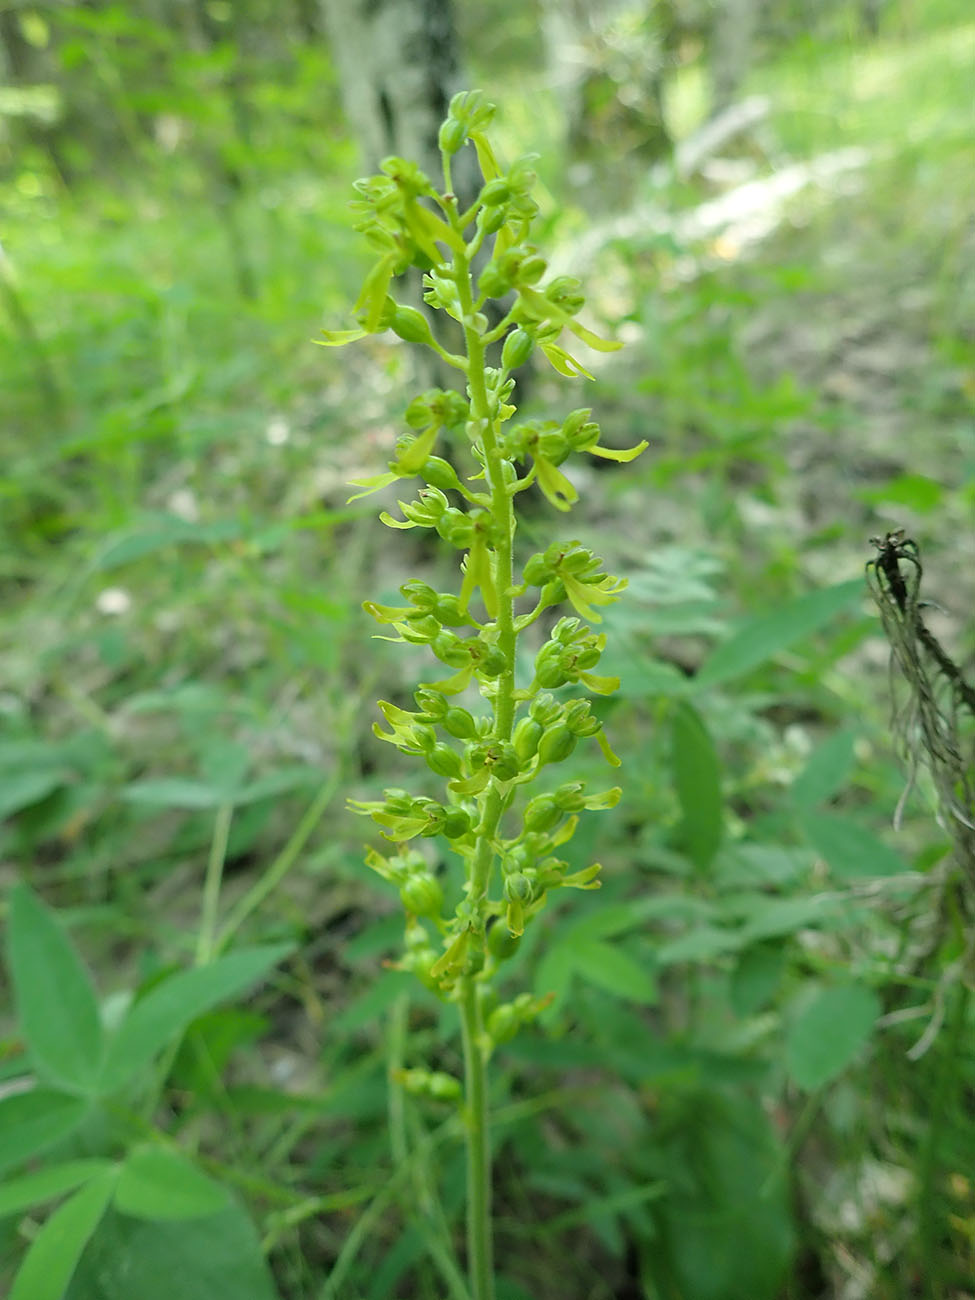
{"type": "Point", "coordinates": [422, 628]}
{"type": "Point", "coordinates": [525, 738]}
{"type": "Point", "coordinates": [493, 662]}
{"type": "Point", "coordinates": [504, 762]}
{"type": "Point", "coordinates": [432, 702]}
{"type": "Point", "coordinates": [492, 282]}
{"type": "Point", "coordinates": [430, 1083]}
{"type": "Point", "coordinates": [459, 722]}
{"type": "Point", "coordinates": [550, 674]}
{"type": "Point", "coordinates": [569, 796]}
{"type": "Point", "coordinates": [456, 527]}
{"type": "Point", "coordinates": [457, 823]}
{"type": "Point", "coordinates": [444, 761]}
{"type": "Point", "coordinates": [537, 570]}
{"type": "Point", "coordinates": [556, 744]}
{"type": "Point", "coordinates": [501, 943]}
{"type": "Point", "coordinates": [439, 473]}
{"type": "Point", "coordinates": [545, 708]}
{"type": "Point", "coordinates": [419, 594]}
{"type": "Point", "coordinates": [563, 292]}
{"type": "Point", "coordinates": [495, 192]}
{"type": "Point", "coordinates": [449, 612]}
{"type": "Point", "coordinates": [450, 650]}
{"type": "Point", "coordinates": [553, 446]}
{"type": "Point", "coordinates": [517, 349]}
{"type": "Point", "coordinates": [422, 895]}
{"type": "Point", "coordinates": [433, 502]}
{"type": "Point", "coordinates": [504, 1021]}
{"type": "Point", "coordinates": [452, 135]}
{"type": "Point", "coordinates": [411, 325]}
{"type": "Point", "coordinates": [542, 813]}
{"type": "Point", "coordinates": [518, 888]}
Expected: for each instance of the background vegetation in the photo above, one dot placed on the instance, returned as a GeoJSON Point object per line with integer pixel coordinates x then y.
{"type": "Point", "coordinates": [756, 1077]}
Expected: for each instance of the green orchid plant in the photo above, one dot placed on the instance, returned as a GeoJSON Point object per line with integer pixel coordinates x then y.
{"type": "Point", "coordinates": [502, 813]}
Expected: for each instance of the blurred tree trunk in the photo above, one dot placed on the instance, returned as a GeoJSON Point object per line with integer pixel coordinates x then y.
{"type": "Point", "coordinates": [23, 66]}
{"type": "Point", "coordinates": [731, 50]}
{"type": "Point", "coordinates": [608, 63]}
{"type": "Point", "coordinates": [399, 64]}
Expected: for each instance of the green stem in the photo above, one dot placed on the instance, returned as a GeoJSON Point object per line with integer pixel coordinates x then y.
{"type": "Point", "coordinates": [929, 1200]}
{"type": "Point", "coordinates": [479, 1221]}
{"type": "Point", "coordinates": [279, 868]}
{"type": "Point", "coordinates": [206, 941]}
{"type": "Point", "coordinates": [480, 1266]}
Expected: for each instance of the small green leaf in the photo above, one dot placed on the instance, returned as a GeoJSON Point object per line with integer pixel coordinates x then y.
{"type": "Point", "coordinates": [174, 792]}
{"type": "Point", "coordinates": [769, 917]}
{"type": "Point", "coordinates": [759, 639]}
{"type": "Point", "coordinates": [22, 789]}
{"type": "Point", "coordinates": [916, 491]}
{"type": "Point", "coordinates": [161, 1016]}
{"type": "Point", "coordinates": [159, 532]}
{"type": "Point", "coordinates": [826, 770]}
{"type": "Point", "coordinates": [615, 971]}
{"type": "Point", "coordinates": [756, 977]}
{"type": "Point", "coordinates": [697, 778]}
{"type": "Point", "coordinates": [18, 1194]}
{"type": "Point", "coordinates": [55, 1251]}
{"type": "Point", "coordinates": [553, 976]}
{"type": "Point", "coordinates": [852, 851]}
{"type": "Point", "coordinates": [55, 1000]}
{"type": "Point", "coordinates": [829, 1033]}
{"type": "Point", "coordinates": [158, 1184]}
{"type": "Point", "coordinates": [214, 1258]}
{"type": "Point", "coordinates": [31, 1121]}
{"type": "Point", "coordinates": [702, 944]}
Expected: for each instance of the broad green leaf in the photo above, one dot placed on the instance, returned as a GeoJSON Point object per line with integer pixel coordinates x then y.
{"type": "Point", "coordinates": [702, 944]}
{"type": "Point", "coordinates": [18, 1194]}
{"type": "Point", "coordinates": [159, 534]}
{"type": "Point", "coordinates": [916, 491]}
{"type": "Point", "coordinates": [553, 975]}
{"type": "Point", "coordinates": [21, 789]}
{"type": "Point", "coordinates": [761, 638]}
{"type": "Point", "coordinates": [174, 792]}
{"type": "Point", "coordinates": [768, 917]}
{"type": "Point", "coordinates": [851, 850]}
{"type": "Point", "coordinates": [161, 1016]}
{"type": "Point", "coordinates": [56, 1004]}
{"type": "Point", "coordinates": [159, 1184]}
{"type": "Point", "coordinates": [697, 779]}
{"type": "Point", "coordinates": [826, 770]}
{"type": "Point", "coordinates": [614, 970]}
{"type": "Point", "coordinates": [31, 1121]}
{"type": "Point", "coordinates": [55, 1251]}
{"type": "Point", "coordinates": [281, 781]}
{"type": "Point", "coordinates": [603, 922]}
{"type": "Point", "coordinates": [756, 977]}
{"type": "Point", "coordinates": [748, 864]}
{"type": "Point", "coordinates": [197, 795]}
{"type": "Point", "coordinates": [366, 1009]}
{"type": "Point", "coordinates": [829, 1033]}
{"type": "Point", "coordinates": [727, 1222]}
{"type": "Point", "coordinates": [215, 1258]}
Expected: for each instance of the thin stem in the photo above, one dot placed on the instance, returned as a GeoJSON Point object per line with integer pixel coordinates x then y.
{"type": "Point", "coordinates": [280, 867]}
{"type": "Point", "coordinates": [479, 1222]}
{"type": "Point", "coordinates": [206, 941]}
{"type": "Point", "coordinates": [480, 1264]}
{"type": "Point", "coordinates": [928, 1198]}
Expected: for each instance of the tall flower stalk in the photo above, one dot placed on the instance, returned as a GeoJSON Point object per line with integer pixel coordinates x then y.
{"type": "Point", "coordinates": [500, 809]}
